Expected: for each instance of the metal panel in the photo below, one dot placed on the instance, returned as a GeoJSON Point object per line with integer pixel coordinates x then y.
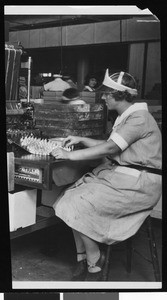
{"type": "Point", "coordinates": [153, 69]}
{"type": "Point", "coordinates": [52, 36]}
{"type": "Point", "coordinates": [64, 35]}
{"type": "Point", "coordinates": [6, 31]}
{"type": "Point", "coordinates": [136, 59]}
{"type": "Point", "coordinates": [13, 36]}
{"type": "Point", "coordinates": [24, 38]}
{"type": "Point", "coordinates": [34, 39]}
{"type": "Point", "coordinates": [80, 35]}
{"type": "Point", "coordinates": [138, 30]}
{"type": "Point", "coordinates": [107, 32]}
{"type": "Point", "coordinates": [103, 32]}
{"type": "Point", "coordinates": [42, 38]}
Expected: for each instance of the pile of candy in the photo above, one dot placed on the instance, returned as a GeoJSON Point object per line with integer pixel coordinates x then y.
{"type": "Point", "coordinates": [40, 146]}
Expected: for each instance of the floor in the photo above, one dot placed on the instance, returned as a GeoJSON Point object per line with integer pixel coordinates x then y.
{"type": "Point", "coordinates": [49, 255]}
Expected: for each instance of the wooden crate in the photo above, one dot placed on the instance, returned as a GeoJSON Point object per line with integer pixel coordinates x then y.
{"type": "Point", "coordinates": [63, 119]}
{"type": "Point", "coordinates": [88, 97]}
{"type": "Point", "coordinates": [53, 96]}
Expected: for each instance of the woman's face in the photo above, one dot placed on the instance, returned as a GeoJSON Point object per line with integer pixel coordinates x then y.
{"type": "Point", "coordinates": [109, 100]}
{"type": "Point", "coordinates": [92, 82]}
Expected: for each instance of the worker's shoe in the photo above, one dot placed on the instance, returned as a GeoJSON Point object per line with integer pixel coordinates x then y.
{"type": "Point", "coordinates": [95, 271]}
{"type": "Point", "coordinates": [80, 271]}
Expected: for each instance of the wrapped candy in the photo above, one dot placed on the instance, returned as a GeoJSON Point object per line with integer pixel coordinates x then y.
{"type": "Point", "coordinates": [40, 146]}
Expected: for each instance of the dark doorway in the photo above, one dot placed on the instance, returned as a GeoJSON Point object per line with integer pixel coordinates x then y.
{"type": "Point", "coordinates": [65, 59]}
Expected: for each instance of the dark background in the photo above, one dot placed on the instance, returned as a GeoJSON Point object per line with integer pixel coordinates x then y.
{"type": "Point", "coordinates": [32, 296]}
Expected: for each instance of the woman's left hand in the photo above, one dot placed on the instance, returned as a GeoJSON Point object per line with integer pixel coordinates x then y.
{"type": "Point", "coordinates": [60, 153]}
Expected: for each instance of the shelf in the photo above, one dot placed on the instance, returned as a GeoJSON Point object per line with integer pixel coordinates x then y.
{"type": "Point", "coordinates": [41, 223]}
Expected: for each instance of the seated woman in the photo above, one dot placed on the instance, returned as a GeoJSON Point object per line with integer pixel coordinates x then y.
{"type": "Point", "coordinates": [110, 203]}
{"type": "Point", "coordinates": [23, 92]}
{"type": "Point", "coordinates": [70, 81]}
{"type": "Point", "coordinates": [90, 84]}
{"type": "Point", "coordinates": [58, 84]}
{"type": "Point", "coordinates": [71, 96]}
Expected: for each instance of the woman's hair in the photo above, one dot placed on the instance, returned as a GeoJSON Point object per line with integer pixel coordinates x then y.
{"type": "Point", "coordinates": [71, 93]}
{"type": "Point", "coordinates": [87, 79]}
{"type": "Point", "coordinates": [127, 80]}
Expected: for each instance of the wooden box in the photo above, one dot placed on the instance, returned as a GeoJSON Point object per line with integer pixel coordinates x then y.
{"type": "Point", "coordinates": [22, 209]}
{"type": "Point", "coordinates": [52, 96]}
{"type": "Point", "coordinates": [64, 119]}
{"type": "Point", "coordinates": [88, 97]}
{"type": "Point", "coordinates": [56, 96]}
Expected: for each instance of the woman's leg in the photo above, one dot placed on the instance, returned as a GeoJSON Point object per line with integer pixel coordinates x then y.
{"type": "Point", "coordinates": [79, 273]}
{"type": "Point", "coordinates": [94, 259]}
{"type": "Point", "coordinates": [81, 252]}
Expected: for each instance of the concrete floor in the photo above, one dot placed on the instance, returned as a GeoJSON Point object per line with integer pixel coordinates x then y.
{"type": "Point", "coordinates": [49, 255]}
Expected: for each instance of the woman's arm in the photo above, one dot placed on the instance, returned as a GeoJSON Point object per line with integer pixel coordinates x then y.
{"type": "Point", "coordinates": [87, 142]}
{"type": "Point", "coordinates": [94, 152]}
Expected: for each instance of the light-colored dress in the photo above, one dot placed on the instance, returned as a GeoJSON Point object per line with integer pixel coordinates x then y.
{"type": "Point", "coordinates": [56, 85]}
{"type": "Point", "coordinates": [88, 88]}
{"type": "Point", "coordinates": [110, 203]}
{"type": "Point", "coordinates": [77, 102]}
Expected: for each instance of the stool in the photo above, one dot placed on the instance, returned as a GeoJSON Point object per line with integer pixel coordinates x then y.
{"type": "Point", "coordinates": [130, 250]}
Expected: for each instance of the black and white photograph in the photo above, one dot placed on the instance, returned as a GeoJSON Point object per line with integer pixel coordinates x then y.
{"type": "Point", "coordinates": [83, 96]}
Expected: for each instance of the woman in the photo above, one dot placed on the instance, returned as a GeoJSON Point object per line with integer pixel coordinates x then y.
{"type": "Point", "coordinates": [91, 84]}
{"type": "Point", "coordinates": [71, 96]}
{"type": "Point", "coordinates": [110, 203]}
{"type": "Point", "coordinates": [58, 84]}
{"type": "Point", "coordinates": [23, 92]}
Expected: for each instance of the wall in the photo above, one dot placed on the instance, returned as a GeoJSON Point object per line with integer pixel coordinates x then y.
{"type": "Point", "coordinates": [136, 61]}
{"type": "Point", "coordinates": [86, 34]}
{"type": "Point", "coordinates": [6, 31]}
{"type": "Point", "coordinates": [142, 34]}
{"type": "Point", "coordinates": [153, 69]}
{"type": "Point", "coordinates": [145, 65]}
{"type": "Point", "coordinates": [97, 57]}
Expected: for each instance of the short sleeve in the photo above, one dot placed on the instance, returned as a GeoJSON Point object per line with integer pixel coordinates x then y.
{"type": "Point", "coordinates": [129, 131]}
{"type": "Point", "coordinates": [46, 86]}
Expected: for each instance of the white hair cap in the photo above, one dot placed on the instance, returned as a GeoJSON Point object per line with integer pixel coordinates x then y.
{"type": "Point", "coordinates": [57, 76]}
{"type": "Point", "coordinates": [109, 82]}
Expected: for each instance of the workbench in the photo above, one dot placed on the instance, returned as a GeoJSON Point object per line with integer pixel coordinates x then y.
{"type": "Point", "coordinates": [41, 173]}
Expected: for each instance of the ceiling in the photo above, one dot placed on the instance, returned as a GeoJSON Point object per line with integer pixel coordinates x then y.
{"type": "Point", "coordinates": [26, 22]}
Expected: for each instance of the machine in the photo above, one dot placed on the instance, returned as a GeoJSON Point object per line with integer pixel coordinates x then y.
{"type": "Point", "coordinates": [32, 131]}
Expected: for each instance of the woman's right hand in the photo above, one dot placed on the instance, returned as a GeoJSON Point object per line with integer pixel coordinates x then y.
{"type": "Point", "coordinates": [71, 140]}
